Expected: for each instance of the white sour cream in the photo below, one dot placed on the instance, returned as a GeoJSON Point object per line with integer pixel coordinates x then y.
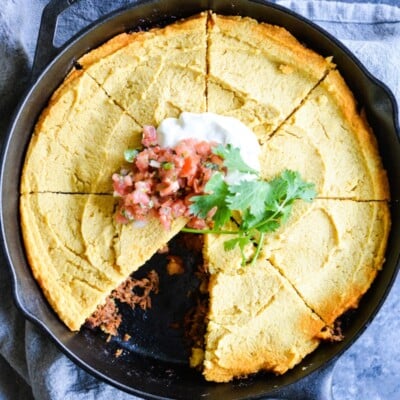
{"type": "Point", "coordinates": [212, 127]}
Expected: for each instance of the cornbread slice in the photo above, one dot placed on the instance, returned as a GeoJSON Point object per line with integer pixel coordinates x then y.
{"type": "Point", "coordinates": [324, 136]}
{"type": "Point", "coordinates": [256, 322]}
{"type": "Point", "coordinates": [56, 251]}
{"type": "Point", "coordinates": [157, 74]}
{"type": "Point", "coordinates": [345, 249]}
{"type": "Point", "coordinates": [78, 254]}
{"type": "Point", "coordinates": [71, 141]}
{"type": "Point", "coordinates": [258, 73]}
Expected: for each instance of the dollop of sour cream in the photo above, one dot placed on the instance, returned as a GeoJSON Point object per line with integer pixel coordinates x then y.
{"type": "Point", "coordinates": [212, 127]}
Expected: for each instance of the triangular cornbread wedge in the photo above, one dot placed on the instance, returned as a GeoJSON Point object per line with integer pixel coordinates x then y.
{"type": "Point", "coordinates": [256, 322]}
{"type": "Point", "coordinates": [258, 73]}
{"type": "Point", "coordinates": [346, 242]}
{"type": "Point", "coordinates": [324, 136]}
{"type": "Point", "coordinates": [157, 74]}
{"type": "Point", "coordinates": [78, 254]}
{"type": "Point", "coordinates": [57, 252]}
{"type": "Point", "coordinates": [71, 141]}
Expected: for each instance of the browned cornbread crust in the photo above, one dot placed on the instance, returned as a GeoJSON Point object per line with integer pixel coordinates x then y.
{"type": "Point", "coordinates": [263, 318]}
{"type": "Point", "coordinates": [339, 264]}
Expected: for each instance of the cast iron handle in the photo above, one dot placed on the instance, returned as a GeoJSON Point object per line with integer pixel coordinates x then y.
{"type": "Point", "coordinates": [45, 48]}
{"type": "Point", "coordinates": [317, 385]}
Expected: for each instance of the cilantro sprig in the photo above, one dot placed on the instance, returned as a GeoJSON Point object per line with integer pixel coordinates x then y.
{"type": "Point", "coordinates": [262, 206]}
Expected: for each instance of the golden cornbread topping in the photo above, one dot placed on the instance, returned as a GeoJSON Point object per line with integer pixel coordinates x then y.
{"type": "Point", "coordinates": [294, 105]}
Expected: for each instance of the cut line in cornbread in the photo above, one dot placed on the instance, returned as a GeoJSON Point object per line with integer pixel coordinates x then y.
{"type": "Point", "coordinates": [258, 73]}
{"type": "Point", "coordinates": [257, 322]}
{"type": "Point", "coordinates": [326, 135]}
{"type": "Point", "coordinates": [346, 243]}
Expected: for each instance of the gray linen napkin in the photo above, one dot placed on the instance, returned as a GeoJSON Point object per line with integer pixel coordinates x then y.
{"type": "Point", "coordinates": [30, 364]}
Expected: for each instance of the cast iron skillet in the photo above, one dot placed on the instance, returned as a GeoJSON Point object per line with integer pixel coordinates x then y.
{"type": "Point", "coordinates": [154, 366]}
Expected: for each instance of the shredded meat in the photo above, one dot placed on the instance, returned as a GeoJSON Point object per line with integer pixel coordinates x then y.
{"type": "Point", "coordinates": [138, 292]}
{"type": "Point", "coordinates": [134, 292]}
{"type": "Point", "coordinates": [333, 333]}
{"type": "Point", "coordinates": [106, 317]}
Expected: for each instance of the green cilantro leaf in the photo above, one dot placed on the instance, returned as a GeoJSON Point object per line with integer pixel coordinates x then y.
{"type": "Point", "coordinates": [248, 195]}
{"type": "Point", "coordinates": [241, 241]}
{"type": "Point", "coordinates": [167, 165]}
{"type": "Point", "coordinates": [269, 225]}
{"type": "Point", "coordinates": [290, 186]}
{"type": "Point", "coordinates": [233, 159]}
{"type": "Point", "coordinates": [216, 193]}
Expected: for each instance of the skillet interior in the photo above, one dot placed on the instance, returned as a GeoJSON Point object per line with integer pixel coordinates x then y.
{"type": "Point", "coordinates": [149, 370]}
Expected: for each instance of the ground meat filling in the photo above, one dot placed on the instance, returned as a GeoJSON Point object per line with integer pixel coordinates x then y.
{"type": "Point", "coordinates": [134, 292]}
{"type": "Point", "coordinates": [161, 180]}
{"type": "Point", "coordinates": [106, 317]}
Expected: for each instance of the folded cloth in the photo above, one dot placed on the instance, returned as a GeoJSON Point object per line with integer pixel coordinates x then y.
{"type": "Point", "coordinates": [30, 365]}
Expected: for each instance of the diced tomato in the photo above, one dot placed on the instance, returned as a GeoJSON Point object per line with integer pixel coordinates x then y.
{"type": "Point", "coordinates": [168, 188]}
{"type": "Point", "coordinates": [162, 181]}
{"type": "Point", "coordinates": [120, 218]}
{"type": "Point", "coordinates": [203, 148]}
{"type": "Point", "coordinates": [142, 161]}
{"type": "Point", "coordinates": [178, 208]}
{"type": "Point", "coordinates": [197, 223]}
{"type": "Point", "coordinates": [190, 166]}
{"type": "Point", "coordinates": [128, 180]}
{"type": "Point", "coordinates": [149, 136]}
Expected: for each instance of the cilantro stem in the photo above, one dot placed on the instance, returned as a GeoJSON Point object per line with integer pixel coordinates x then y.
{"type": "Point", "coordinates": [204, 231]}
{"type": "Point", "coordinates": [272, 217]}
{"type": "Point", "coordinates": [259, 245]}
